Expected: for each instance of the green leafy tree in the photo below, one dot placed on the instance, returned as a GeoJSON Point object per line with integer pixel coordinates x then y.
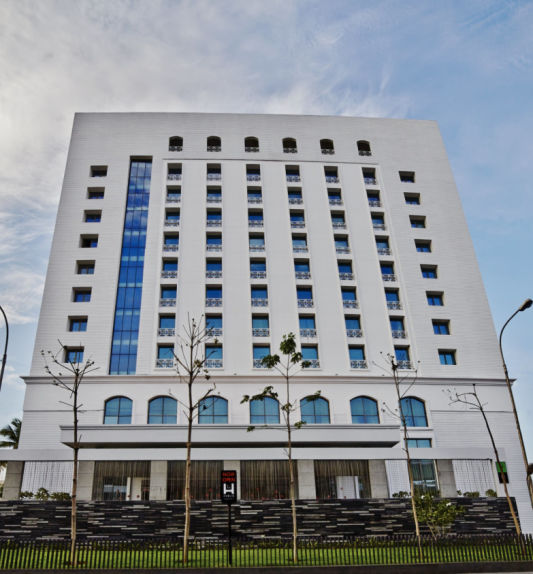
{"type": "Point", "coordinates": [287, 365]}
{"type": "Point", "coordinates": [438, 514]}
{"type": "Point", "coordinates": [11, 434]}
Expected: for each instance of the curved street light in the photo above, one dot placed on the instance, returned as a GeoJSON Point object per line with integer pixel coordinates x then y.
{"type": "Point", "coordinates": [525, 305]}
{"type": "Point", "coordinates": [4, 358]}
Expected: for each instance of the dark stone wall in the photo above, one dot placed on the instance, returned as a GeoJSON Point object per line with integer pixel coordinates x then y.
{"type": "Point", "coordinates": [117, 519]}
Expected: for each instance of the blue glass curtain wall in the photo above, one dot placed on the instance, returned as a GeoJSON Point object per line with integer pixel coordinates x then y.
{"type": "Point", "coordinates": [129, 291]}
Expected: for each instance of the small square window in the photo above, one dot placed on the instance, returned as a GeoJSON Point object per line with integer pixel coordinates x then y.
{"type": "Point", "coordinates": [81, 295]}
{"type": "Point", "coordinates": [89, 241]}
{"type": "Point", "coordinates": [412, 198]}
{"type": "Point", "coordinates": [423, 245]}
{"type": "Point", "coordinates": [501, 469]}
{"type": "Point", "coordinates": [447, 357]}
{"type": "Point", "coordinates": [74, 355]}
{"type": "Point", "coordinates": [98, 170]}
{"type": "Point", "coordinates": [95, 193]}
{"type": "Point", "coordinates": [429, 271]}
{"type": "Point", "coordinates": [441, 327]}
{"type": "Point", "coordinates": [407, 176]}
{"type": "Point", "coordinates": [92, 216]}
{"type": "Point", "coordinates": [435, 299]}
{"type": "Point", "coordinates": [419, 442]}
{"type": "Point", "coordinates": [417, 221]}
{"type": "Point", "coordinates": [85, 267]}
{"type": "Point", "coordinates": [77, 324]}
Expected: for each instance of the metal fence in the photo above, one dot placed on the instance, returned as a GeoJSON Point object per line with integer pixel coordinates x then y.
{"type": "Point", "coordinates": [204, 553]}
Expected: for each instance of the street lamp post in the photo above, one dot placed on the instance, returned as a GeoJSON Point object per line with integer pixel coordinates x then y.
{"type": "Point", "coordinates": [525, 305]}
{"type": "Point", "coordinates": [4, 358]}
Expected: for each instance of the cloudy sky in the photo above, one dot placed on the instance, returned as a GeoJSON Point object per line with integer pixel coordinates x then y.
{"type": "Point", "coordinates": [468, 65]}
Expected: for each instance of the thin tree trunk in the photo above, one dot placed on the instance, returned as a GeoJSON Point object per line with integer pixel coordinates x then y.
{"type": "Point", "coordinates": [73, 530]}
{"type": "Point", "coordinates": [291, 481]}
{"type": "Point", "coordinates": [187, 495]}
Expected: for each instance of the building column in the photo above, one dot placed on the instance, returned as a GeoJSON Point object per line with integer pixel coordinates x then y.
{"type": "Point", "coordinates": [158, 479]}
{"type": "Point", "coordinates": [13, 480]}
{"type": "Point", "coordinates": [377, 473]}
{"type": "Point", "coordinates": [235, 465]}
{"type": "Point", "coordinates": [85, 480]}
{"type": "Point", "coordinates": [447, 486]}
{"type": "Point", "coordinates": [306, 480]}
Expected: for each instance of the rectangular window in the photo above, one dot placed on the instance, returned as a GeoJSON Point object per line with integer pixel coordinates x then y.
{"type": "Point", "coordinates": [213, 265]}
{"type": "Point", "coordinates": [407, 176]}
{"type": "Point", "coordinates": [307, 322]}
{"type": "Point", "coordinates": [424, 475]}
{"type": "Point", "coordinates": [87, 241]}
{"type": "Point", "coordinates": [501, 468]}
{"type": "Point", "coordinates": [165, 352]}
{"type": "Point", "coordinates": [412, 198]}
{"type": "Point", "coordinates": [98, 170]}
{"type": "Point", "coordinates": [95, 193]}
{"type": "Point", "coordinates": [392, 295]}
{"type": "Point", "coordinates": [423, 245]}
{"type": "Point", "coordinates": [357, 357]}
{"type": "Point", "coordinates": [417, 221]}
{"type": "Point", "coordinates": [213, 322]}
{"type": "Point", "coordinates": [168, 292]}
{"type": "Point", "coordinates": [170, 265]}
{"type": "Point", "coordinates": [77, 324]}
{"type": "Point", "coordinates": [81, 295]}
{"type": "Point", "coordinates": [435, 299]}
{"type": "Point", "coordinates": [419, 442]}
{"type": "Point", "coordinates": [260, 322]}
{"type": "Point", "coordinates": [402, 355]}
{"type": "Point", "coordinates": [93, 216]}
{"type": "Point", "coordinates": [304, 293]}
{"type": "Point", "coordinates": [85, 267]}
{"type": "Point", "coordinates": [447, 357]}
{"type": "Point", "coordinates": [352, 323]}
{"type": "Point", "coordinates": [173, 194]}
{"type": "Point", "coordinates": [373, 198]}
{"type": "Point", "coordinates": [258, 265]}
{"type": "Point", "coordinates": [310, 353]}
{"type": "Point", "coordinates": [74, 355]}
{"type": "Point", "coordinates": [254, 195]}
{"type": "Point", "coordinates": [214, 194]}
{"type": "Point", "coordinates": [429, 271]}
{"type": "Point", "coordinates": [441, 327]}
{"type": "Point", "coordinates": [167, 321]}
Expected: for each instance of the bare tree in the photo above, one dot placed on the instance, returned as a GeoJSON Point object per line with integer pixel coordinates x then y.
{"type": "Point", "coordinates": [473, 402]}
{"type": "Point", "coordinates": [290, 363]}
{"type": "Point", "coordinates": [399, 412]}
{"type": "Point", "coordinates": [191, 361]}
{"type": "Point", "coordinates": [67, 374]}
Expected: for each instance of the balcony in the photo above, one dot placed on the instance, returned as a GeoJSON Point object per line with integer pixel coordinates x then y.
{"type": "Point", "coordinates": [214, 223]}
{"type": "Point", "coordinates": [214, 148]}
{"type": "Point", "coordinates": [365, 152]}
{"type": "Point", "coordinates": [295, 200]}
{"type": "Point", "coordinates": [396, 305]}
{"type": "Point", "coordinates": [251, 149]}
{"type": "Point", "coordinates": [342, 250]}
{"type": "Point", "coordinates": [255, 199]}
{"type": "Point", "coordinates": [175, 148]}
{"type": "Point", "coordinates": [405, 365]}
{"type": "Point", "coordinates": [214, 176]}
{"type": "Point", "coordinates": [327, 151]}
{"type": "Point", "coordinates": [174, 176]}
{"type": "Point", "coordinates": [214, 247]}
{"type": "Point", "coordinates": [358, 364]}
{"type": "Point", "coordinates": [399, 334]}
{"type": "Point", "coordinates": [346, 276]}
{"type": "Point", "coordinates": [257, 248]}
{"type": "Point", "coordinates": [213, 363]}
{"type": "Point", "coordinates": [172, 222]}
{"type": "Point", "coordinates": [302, 274]}
{"type": "Point", "coordinates": [213, 274]}
{"type": "Point", "coordinates": [384, 251]}
{"type": "Point", "coordinates": [297, 224]}
{"type": "Point", "coordinates": [167, 302]}
{"type": "Point", "coordinates": [374, 203]}
{"type": "Point", "coordinates": [166, 333]}
{"type": "Point", "coordinates": [258, 364]}
{"type": "Point", "coordinates": [170, 247]}
{"type": "Point", "coordinates": [335, 201]}
{"type": "Point", "coordinates": [213, 302]}
{"type": "Point", "coordinates": [169, 274]}
{"type": "Point", "coordinates": [255, 223]}
{"type": "Point", "coordinates": [290, 150]}
{"type": "Point", "coordinates": [305, 303]}
{"type": "Point", "coordinates": [332, 179]}
{"type": "Point", "coordinates": [264, 332]}
{"type": "Point", "coordinates": [351, 333]}
{"type": "Point", "coordinates": [253, 177]}
{"type": "Point", "coordinates": [258, 274]}
{"type": "Point", "coordinates": [173, 198]}
{"type": "Point", "coordinates": [293, 178]}
{"type": "Point", "coordinates": [370, 181]}
{"type": "Point", "coordinates": [214, 198]}
{"type": "Point", "coordinates": [350, 304]}
{"type": "Point", "coordinates": [312, 364]}
{"type": "Point", "coordinates": [338, 224]}
{"type": "Point", "coordinates": [164, 363]}
{"type": "Point", "coordinates": [308, 333]}
{"type": "Point", "coordinates": [214, 331]}
{"type": "Point", "coordinates": [379, 226]}
{"type": "Point", "coordinates": [259, 302]}
{"type": "Point", "coordinates": [388, 277]}
{"type": "Point", "coordinates": [299, 248]}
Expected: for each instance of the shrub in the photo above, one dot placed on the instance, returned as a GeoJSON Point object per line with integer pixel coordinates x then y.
{"type": "Point", "coordinates": [437, 513]}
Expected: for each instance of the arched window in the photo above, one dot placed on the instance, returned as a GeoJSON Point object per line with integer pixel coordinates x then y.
{"type": "Point", "coordinates": [175, 143]}
{"type": "Point", "coordinates": [117, 411]}
{"type": "Point", "coordinates": [162, 411]}
{"type": "Point", "coordinates": [213, 410]}
{"type": "Point", "coordinates": [414, 411]}
{"type": "Point", "coordinates": [251, 144]}
{"type": "Point", "coordinates": [264, 411]}
{"type": "Point", "coordinates": [214, 143]}
{"type": "Point", "coordinates": [315, 411]}
{"type": "Point", "coordinates": [289, 145]}
{"type": "Point", "coordinates": [363, 147]}
{"type": "Point", "coordinates": [364, 410]}
{"type": "Point", "coordinates": [326, 146]}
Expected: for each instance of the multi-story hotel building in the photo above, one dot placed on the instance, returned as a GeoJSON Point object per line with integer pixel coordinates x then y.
{"type": "Point", "coordinates": [348, 232]}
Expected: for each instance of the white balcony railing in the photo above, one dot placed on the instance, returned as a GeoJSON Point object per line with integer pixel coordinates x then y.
{"type": "Point", "coordinates": [257, 248]}
{"type": "Point", "coordinates": [295, 200]}
{"type": "Point", "coordinates": [258, 274]}
{"type": "Point", "coordinates": [214, 223]}
{"type": "Point", "coordinates": [213, 363]}
{"type": "Point", "coordinates": [251, 148]}
{"type": "Point", "coordinates": [405, 365]}
{"type": "Point", "coordinates": [394, 305]}
{"type": "Point", "coordinates": [350, 304]}
{"type": "Point", "coordinates": [213, 302]}
{"type": "Point", "coordinates": [174, 199]}
{"type": "Point", "coordinates": [214, 331]}
{"type": "Point", "coordinates": [172, 222]}
{"type": "Point", "coordinates": [214, 148]}
{"type": "Point", "coordinates": [374, 203]}
{"type": "Point", "coordinates": [346, 276]}
{"type": "Point", "coordinates": [378, 225]}
{"type": "Point", "coordinates": [259, 302]}
{"type": "Point", "coordinates": [293, 178]}
{"type": "Point", "coordinates": [255, 223]}
{"type": "Point", "coordinates": [170, 247]}
{"type": "Point", "coordinates": [167, 302]}
{"type": "Point", "coordinates": [307, 333]}
{"type": "Point", "coordinates": [213, 274]}
{"type": "Point", "coordinates": [399, 334]}
{"type": "Point", "coordinates": [258, 364]}
{"type": "Point", "coordinates": [305, 303]}
{"type": "Point", "coordinates": [174, 176]}
{"type": "Point", "coordinates": [338, 224]}
{"type": "Point", "coordinates": [358, 364]}
{"type": "Point", "coordinates": [175, 148]}
{"type": "Point", "coordinates": [342, 249]}
{"type": "Point", "coordinates": [302, 274]}
{"type": "Point", "coordinates": [166, 332]}
{"type": "Point", "coordinates": [370, 181]}
{"type": "Point", "coordinates": [312, 364]}
{"type": "Point", "coordinates": [297, 224]}
{"type": "Point", "coordinates": [354, 333]}
{"type": "Point", "coordinates": [255, 200]}
{"type": "Point", "coordinates": [164, 363]}
{"type": "Point", "coordinates": [365, 152]}
{"type": "Point", "coordinates": [384, 251]}
{"type": "Point", "coordinates": [299, 248]}
{"type": "Point", "coordinates": [332, 179]}
{"type": "Point", "coordinates": [261, 332]}
{"type": "Point", "coordinates": [214, 198]}
{"type": "Point", "coordinates": [214, 176]}
{"type": "Point", "coordinates": [290, 150]}
{"type": "Point", "coordinates": [253, 177]}
{"type": "Point", "coordinates": [327, 151]}
{"type": "Point", "coordinates": [169, 274]}
{"type": "Point", "coordinates": [335, 201]}
{"type": "Point", "coordinates": [214, 247]}
{"type": "Point", "coordinates": [388, 277]}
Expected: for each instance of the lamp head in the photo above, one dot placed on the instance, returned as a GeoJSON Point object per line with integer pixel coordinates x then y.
{"type": "Point", "coordinates": [526, 305]}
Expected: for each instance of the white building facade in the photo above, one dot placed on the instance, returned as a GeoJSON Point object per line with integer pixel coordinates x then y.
{"type": "Point", "coordinates": [348, 232]}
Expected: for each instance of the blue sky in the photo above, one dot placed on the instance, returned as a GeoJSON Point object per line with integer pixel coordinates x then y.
{"type": "Point", "coordinates": [467, 65]}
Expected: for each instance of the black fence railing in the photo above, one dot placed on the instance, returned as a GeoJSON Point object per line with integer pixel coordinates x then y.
{"type": "Point", "coordinates": [208, 553]}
